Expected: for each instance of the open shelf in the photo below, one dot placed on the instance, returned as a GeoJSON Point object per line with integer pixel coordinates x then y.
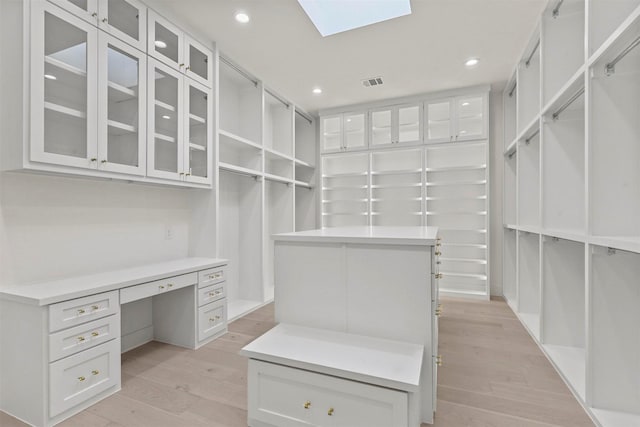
{"type": "Point", "coordinates": [529, 281]}
{"type": "Point", "coordinates": [605, 17]}
{"type": "Point", "coordinates": [528, 88]}
{"type": "Point", "coordinates": [509, 263]}
{"type": "Point", "coordinates": [563, 175]}
{"type": "Point", "coordinates": [563, 307]}
{"type": "Point", "coordinates": [278, 166]}
{"type": "Point", "coordinates": [563, 48]}
{"type": "Point", "coordinates": [529, 180]}
{"type": "Point", "coordinates": [345, 179]}
{"type": "Point", "coordinates": [278, 124]}
{"type": "Point", "coordinates": [240, 99]}
{"type": "Point", "coordinates": [614, 355]}
{"type": "Point", "coordinates": [279, 211]}
{"type": "Point", "coordinates": [239, 152]}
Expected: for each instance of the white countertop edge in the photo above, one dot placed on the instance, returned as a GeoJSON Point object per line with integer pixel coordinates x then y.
{"type": "Point", "coordinates": [51, 292]}
{"type": "Point", "coordinates": [377, 235]}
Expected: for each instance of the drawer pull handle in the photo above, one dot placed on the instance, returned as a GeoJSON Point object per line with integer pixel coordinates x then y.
{"type": "Point", "coordinates": [80, 311]}
{"type": "Point", "coordinates": [330, 412]}
{"type": "Point", "coordinates": [212, 276]}
{"type": "Point", "coordinates": [213, 319]}
{"type": "Point", "coordinates": [307, 404]}
{"type": "Point", "coordinates": [438, 312]}
{"type": "Point", "coordinates": [170, 285]}
{"type": "Point", "coordinates": [438, 253]}
{"type": "Point", "coordinates": [439, 276]}
{"type": "Point", "coordinates": [81, 378]}
{"type": "Point", "coordinates": [94, 334]}
{"type": "Point", "coordinates": [95, 307]}
{"type": "Point", "coordinates": [161, 287]}
{"type": "Point", "coordinates": [80, 339]}
{"type": "Point", "coordinates": [439, 360]}
{"type": "Point", "coordinates": [96, 372]}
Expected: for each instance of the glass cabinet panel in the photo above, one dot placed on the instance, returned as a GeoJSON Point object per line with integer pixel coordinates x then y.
{"type": "Point", "coordinates": [470, 117]}
{"type": "Point", "coordinates": [197, 131]}
{"type": "Point", "coordinates": [409, 123]}
{"type": "Point", "coordinates": [125, 19]}
{"type": "Point", "coordinates": [438, 126]}
{"type": "Point", "coordinates": [198, 62]}
{"type": "Point", "coordinates": [381, 127]}
{"type": "Point", "coordinates": [165, 41]}
{"type": "Point", "coordinates": [85, 9]}
{"type": "Point", "coordinates": [331, 133]}
{"type": "Point", "coordinates": [354, 130]}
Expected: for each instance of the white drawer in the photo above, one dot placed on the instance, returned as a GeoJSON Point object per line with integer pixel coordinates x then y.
{"type": "Point", "coordinates": [212, 318]}
{"type": "Point", "coordinates": [81, 337]}
{"type": "Point", "coordinates": [145, 290]}
{"type": "Point", "coordinates": [81, 310]}
{"type": "Point", "coordinates": [212, 276]}
{"type": "Point", "coordinates": [77, 378]}
{"type": "Point", "coordinates": [290, 397]}
{"type": "Point", "coordinates": [211, 293]}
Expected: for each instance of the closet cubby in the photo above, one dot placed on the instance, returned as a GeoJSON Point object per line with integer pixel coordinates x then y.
{"type": "Point", "coordinates": [305, 139]}
{"type": "Point", "coordinates": [605, 17]}
{"type": "Point", "coordinates": [562, 45]}
{"type": "Point", "coordinates": [528, 178]}
{"type": "Point", "coordinates": [563, 160]}
{"type": "Point", "coordinates": [345, 190]}
{"type": "Point", "coordinates": [563, 308]}
{"type": "Point", "coordinates": [614, 353]}
{"type": "Point", "coordinates": [509, 264]}
{"type": "Point", "coordinates": [614, 189]}
{"type": "Point", "coordinates": [240, 240]}
{"type": "Point", "coordinates": [278, 124]}
{"type": "Point", "coordinates": [396, 187]}
{"type": "Point", "coordinates": [279, 211]}
{"type": "Point", "coordinates": [528, 88]}
{"type": "Point", "coordinates": [240, 99]}
{"type": "Point", "coordinates": [529, 281]}
{"type": "Point", "coordinates": [278, 166]}
{"type": "Point", "coordinates": [510, 102]}
{"type": "Point", "coordinates": [239, 154]}
{"type": "Point", "coordinates": [510, 189]}
{"type": "Point", "coordinates": [305, 208]}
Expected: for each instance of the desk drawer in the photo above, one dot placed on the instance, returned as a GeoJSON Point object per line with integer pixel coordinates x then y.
{"type": "Point", "coordinates": [211, 293]}
{"type": "Point", "coordinates": [77, 378]}
{"type": "Point", "coordinates": [285, 396]}
{"type": "Point", "coordinates": [81, 310]}
{"type": "Point", "coordinates": [145, 290]}
{"type": "Point", "coordinates": [81, 337]}
{"type": "Point", "coordinates": [212, 318]}
{"type": "Point", "coordinates": [212, 276]}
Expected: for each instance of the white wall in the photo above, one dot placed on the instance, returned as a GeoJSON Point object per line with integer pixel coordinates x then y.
{"type": "Point", "coordinates": [496, 146]}
{"type": "Point", "coordinates": [52, 227]}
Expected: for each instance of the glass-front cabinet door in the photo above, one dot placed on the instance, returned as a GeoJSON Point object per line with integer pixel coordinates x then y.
{"type": "Point", "coordinates": [124, 19]}
{"type": "Point", "coordinates": [438, 123]}
{"type": "Point", "coordinates": [166, 41]}
{"type": "Point", "coordinates": [381, 127]}
{"type": "Point", "coordinates": [331, 133]}
{"type": "Point", "coordinates": [198, 62]}
{"type": "Point", "coordinates": [85, 9]}
{"type": "Point", "coordinates": [164, 153]}
{"type": "Point", "coordinates": [122, 107]}
{"type": "Point", "coordinates": [63, 88]}
{"type": "Point", "coordinates": [409, 126]}
{"type": "Point", "coordinates": [470, 123]}
{"type": "Point", "coordinates": [354, 131]}
{"type": "Point", "coordinates": [197, 132]}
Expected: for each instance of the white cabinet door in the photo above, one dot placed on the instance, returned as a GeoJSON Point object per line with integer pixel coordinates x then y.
{"type": "Point", "coordinates": [438, 121]}
{"type": "Point", "coordinates": [85, 9]}
{"type": "Point", "coordinates": [166, 41]}
{"type": "Point", "coordinates": [355, 126]}
{"type": "Point", "coordinates": [63, 88]}
{"type": "Point", "coordinates": [126, 20]}
{"type": "Point", "coordinates": [198, 131]}
{"type": "Point", "coordinates": [198, 62]}
{"type": "Point", "coordinates": [381, 132]}
{"type": "Point", "coordinates": [470, 118]}
{"type": "Point", "coordinates": [122, 109]}
{"type": "Point", "coordinates": [331, 133]}
{"type": "Point", "coordinates": [409, 124]}
{"type": "Point", "coordinates": [165, 124]}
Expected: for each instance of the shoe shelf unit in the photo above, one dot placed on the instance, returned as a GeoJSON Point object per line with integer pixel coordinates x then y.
{"type": "Point", "coordinates": [571, 257]}
{"type": "Point", "coordinates": [266, 173]}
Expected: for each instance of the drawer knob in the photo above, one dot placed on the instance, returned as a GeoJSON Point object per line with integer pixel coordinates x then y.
{"type": "Point", "coordinates": [439, 360]}
{"type": "Point", "coordinates": [213, 319]}
{"type": "Point", "coordinates": [80, 339]}
{"type": "Point", "coordinates": [80, 311]}
{"type": "Point", "coordinates": [161, 287]}
{"type": "Point", "coordinates": [307, 404]}
{"type": "Point", "coordinates": [211, 294]}
{"type": "Point", "coordinates": [81, 378]}
{"type": "Point", "coordinates": [170, 285]}
{"type": "Point", "coordinates": [95, 334]}
{"type": "Point", "coordinates": [439, 276]}
{"type": "Point", "coordinates": [330, 412]}
{"type": "Point", "coordinates": [212, 276]}
{"type": "Point", "coordinates": [95, 307]}
{"type": "Point", "coordinates": [438, 312]}
{"type": "Point", "coordinates": [438, 253]}
{"type": "Point", "coordinates": [95, 372]}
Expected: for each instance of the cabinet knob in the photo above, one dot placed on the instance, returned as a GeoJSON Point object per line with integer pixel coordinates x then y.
{"type": "Point", "coordinates": [105, 20]}
{"type": "Point", "coordinates": [93, 159]}
{"type": "Point", "coordinates": [95, 307]}
{"type": "Point", "coordinates": [439, 276]}
{"type": "Point", "coordinates": [80, 311]}
{"type": "Point", "coordinates": [81, 378]}
{"type": "Point", "coordinates": [307, 404]}
{"type": "Point", "coordinates": [94, 15]}
{"type": "Point", "coordinates": [330, 412]}
{"type": "Point", "coordinates": [181, 173]}
{"type": "Point", "coordinates": [181, 65]}
{"type": "Point", "coordinates": [95, 372]}
{"type": "Point", "coordinates": [438, 253]}
{"type": "Point", "coordinates": [438, 312]}
{"type": "Point", "coordinates": [103, 161]}
{"type": "Point", "coordinates": [170, 285]}
{"type": "Point", "coordinates": [188, 67]}
{"type": "Point", "coordinates": [95, 334]}
{"type": "Point", "coordinates": [161, 287]}
{"type": "Point", "coordinates": [80, 339]}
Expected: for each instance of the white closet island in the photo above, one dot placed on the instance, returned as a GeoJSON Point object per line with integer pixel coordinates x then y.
{"type": "Point", "coordinates": [371, 281]}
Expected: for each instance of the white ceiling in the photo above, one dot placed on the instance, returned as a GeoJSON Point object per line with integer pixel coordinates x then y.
{"type": "Point", "coordinates": [422, 52]}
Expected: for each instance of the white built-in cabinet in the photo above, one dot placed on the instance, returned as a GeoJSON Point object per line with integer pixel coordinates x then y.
{"type": "Point", "coordinates": [344, 132]}
{"type": "Point", "coordinates": [571, 200]}
{"type": "Point", "coordinates": [460, 118]}
{"type": "Point", "coordinates": [396, 124]}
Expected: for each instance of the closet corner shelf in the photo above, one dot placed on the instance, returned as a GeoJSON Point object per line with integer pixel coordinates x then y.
{"type": "Point", "coordinates": [530, 128]}
{"type": "Point", "coordinates": [630, 243]}
{"type": "Point", "coordinates": [568, 89]}
{"type": "Point", "coordinates": [238, 169]}
{"type": "Point", "coordinates": [238, 139]}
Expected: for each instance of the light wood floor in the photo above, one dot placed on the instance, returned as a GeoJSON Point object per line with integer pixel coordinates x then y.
{"type": "Point", "coordinates": [494, 375]}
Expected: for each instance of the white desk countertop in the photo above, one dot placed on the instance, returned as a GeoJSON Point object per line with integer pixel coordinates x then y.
{"type": "Point", "coordinates": [418, 236]}
{"type": "Point", "coordinates": [378, 361]}
{"type": "Point", "coordinates": [45, 293]}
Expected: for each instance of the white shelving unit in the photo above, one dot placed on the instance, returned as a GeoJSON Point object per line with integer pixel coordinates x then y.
{"type": "Point", "coordinates": [345, 190]}
{"type": "Point", "coordinates": [572, 274]}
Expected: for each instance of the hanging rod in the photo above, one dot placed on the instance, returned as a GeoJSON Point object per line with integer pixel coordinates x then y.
{"type": "Point", "coordinates": [533, 135]}
{"type": "Point", "coordinates": [304, 116]}
{"type": "Point", "coordinates": [533, 52]}
{"type": "Point", "coordinates": [556, 10]}
{"type": "Point", "coordinates": [285, 103]}
{"type": "Point", "coordinates": [241, 173]}
{"type": "Point", "coordinates": [610, 68]}
{"type": "Point", "coordinates": [515, 85]}
{"type": "Point", "coordinates": [569, 101]}
{"type": "Point", "coordinates": [239, 70]}
{"type": "Point", "coordinates": [510, 155]}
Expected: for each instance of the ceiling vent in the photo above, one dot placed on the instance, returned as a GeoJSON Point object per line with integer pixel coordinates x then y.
{"type": "Point", "coordinates": [372, 81]}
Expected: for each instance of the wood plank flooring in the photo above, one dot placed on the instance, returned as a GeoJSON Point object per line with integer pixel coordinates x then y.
{"type": "Point", "coordinates": [493, 375]}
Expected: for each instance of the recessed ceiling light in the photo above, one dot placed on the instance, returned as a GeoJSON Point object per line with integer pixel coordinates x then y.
{"type": "Point", "coordinates": [50, 77]}
{"type": "Point", "coordinates": [471, 62]}
{"type": "Point", "coordinates": [166, 117]}
{"type": "Point", "coordinates": [317, 91]}
{"type": "Point", "coordinates": [160, 44]}
{"type": "Point", "coordinates": [242, 17]}
{"type": "Point", "coordinates": [465, 104]}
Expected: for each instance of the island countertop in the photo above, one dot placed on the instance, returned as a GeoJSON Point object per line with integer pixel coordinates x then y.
{"type": "Point", "coordinates": [418, 236]}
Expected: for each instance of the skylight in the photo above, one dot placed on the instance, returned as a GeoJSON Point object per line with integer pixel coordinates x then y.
{"type": "Point", "coordinates": [335, 16]}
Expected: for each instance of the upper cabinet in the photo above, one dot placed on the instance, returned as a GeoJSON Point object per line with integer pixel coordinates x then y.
{"type": "Point", "coordinates": [172, 46]}
{"type": "Point", "coordinates": [344, 132]}
{"type": "Point", "coordinates": [124, 19]}
{"type": "Point", "coordinates": [460, 118]}
{"type": "Point", "coordinates": [394, 125]}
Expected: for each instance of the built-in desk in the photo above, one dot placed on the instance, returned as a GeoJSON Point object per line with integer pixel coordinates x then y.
{"type": "Point", "coordinates": [60, 341]}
